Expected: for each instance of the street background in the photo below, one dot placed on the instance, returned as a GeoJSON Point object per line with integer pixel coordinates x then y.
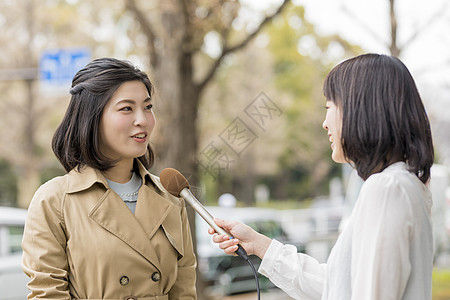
{"type": "Point", "coordinates": [239, 109]}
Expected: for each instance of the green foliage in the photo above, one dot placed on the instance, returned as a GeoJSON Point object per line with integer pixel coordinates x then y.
{"type": "Point", "coordinates": [8, 186]}
{"type": "Point", "coordinates": [209, 193]}
{"type": "Point", "coordinates": [8, 181]}
{"type": "Point", "coordinates": [301, 62]}
{"type": "Point", "coordinates": [441, 284]}
{"type": "Point", "coordinates": [295, 73]}
{"type": "Point", "coordinates": [51, 172]}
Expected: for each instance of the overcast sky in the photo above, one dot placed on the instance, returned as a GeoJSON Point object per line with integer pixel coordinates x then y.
{"type": "Point", "coordinates": [366, 22]}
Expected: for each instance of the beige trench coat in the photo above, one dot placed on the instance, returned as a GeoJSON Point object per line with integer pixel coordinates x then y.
{"type": "Point", "coordinates": [82, 242]}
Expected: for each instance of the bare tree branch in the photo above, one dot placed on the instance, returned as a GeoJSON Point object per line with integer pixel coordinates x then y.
{"type": "Point", "coordinates": [393, 48]}
{"type": "Point", "coordinates": [185, 11]}
{"type": "Point", "coordinates": [439, 13]}
{"type": "Point", "coordinates": [226, 33]}
{"type": "Point", "coordinates": [132, 6]}
{"type": "Point", "coordinates": [364, 25]}
{"type": "Point", "coordinates": [227, 50]}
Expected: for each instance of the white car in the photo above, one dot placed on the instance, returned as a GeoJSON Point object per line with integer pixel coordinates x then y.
{"type": "Point", "coordinates": [12, 279]}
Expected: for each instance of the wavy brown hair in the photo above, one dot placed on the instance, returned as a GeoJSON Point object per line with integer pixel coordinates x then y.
{"type": "Point", "coordinates": [76, 140]}
{"type": "Point", "coordinates": [383, 117]}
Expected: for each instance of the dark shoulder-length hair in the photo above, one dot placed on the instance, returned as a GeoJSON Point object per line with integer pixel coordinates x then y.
{"type": "Point", "coordinates": [383, 117]}
{"type": "Point", "coordinates": [76, 140]}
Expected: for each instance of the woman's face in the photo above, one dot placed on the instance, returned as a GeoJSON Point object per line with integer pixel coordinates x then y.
{"type": "Point", "coordinates": [333, 124]}
{"type": "Point", "coordinates": [127, 122]}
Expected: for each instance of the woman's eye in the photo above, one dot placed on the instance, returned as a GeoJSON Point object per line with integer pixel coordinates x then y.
{"type": "Point", "coordinates": [150, 106]}
{"type": "Point", "coordinates": [127, 108]}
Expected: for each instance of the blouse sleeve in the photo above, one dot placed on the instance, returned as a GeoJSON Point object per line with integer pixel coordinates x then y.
{"type": "Point", "coordinates": [299, 275]}
{"type": "Point", "coordinates": [380, 242]}
{"type": "Point", "coordinates": [44, 258]}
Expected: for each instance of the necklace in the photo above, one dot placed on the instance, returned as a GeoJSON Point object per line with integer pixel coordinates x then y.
{"type": "Point", "coordinates": [128, 194]}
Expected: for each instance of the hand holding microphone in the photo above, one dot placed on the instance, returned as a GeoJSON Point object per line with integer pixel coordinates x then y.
{"type": "Point", "coordinates": [176, 184]}
{"type": "Point", "coordinates": [253, 242]}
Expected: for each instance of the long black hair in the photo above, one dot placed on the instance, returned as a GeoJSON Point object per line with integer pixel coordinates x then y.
{"type": "Point", "coordinates": [76, 140]}
{"type": "Point", "coordinates": [383, 117]}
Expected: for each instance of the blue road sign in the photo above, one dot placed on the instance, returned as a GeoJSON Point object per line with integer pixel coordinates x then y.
{"type": "Point", "coordinates": [57, 67]}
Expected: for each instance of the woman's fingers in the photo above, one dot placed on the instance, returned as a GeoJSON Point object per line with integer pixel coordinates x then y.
{"type": "Point", "coordinates": [225, 240]}
{"type": "Point", "coordinates": [230, 250]}
{"type": "Point", "coordinates": [220, 238]}
{"type": "Point", "coordinates": [230, 246]}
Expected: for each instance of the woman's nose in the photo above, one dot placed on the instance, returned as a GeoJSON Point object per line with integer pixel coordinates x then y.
{"type": "Point", "coordinates": [324, 125]}
{"type": "Point", "coordinates": [141, 118]}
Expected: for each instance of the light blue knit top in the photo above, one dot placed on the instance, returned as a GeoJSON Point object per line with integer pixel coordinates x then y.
{"type": "Point", "coordinates": [128, 191]}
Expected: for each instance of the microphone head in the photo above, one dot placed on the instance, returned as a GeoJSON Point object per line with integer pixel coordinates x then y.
{"type": "Point", "coordinates": [173, 181]}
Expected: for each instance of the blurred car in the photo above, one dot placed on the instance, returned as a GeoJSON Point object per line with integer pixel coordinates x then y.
{"type": "Point", "coordinates": [12, 279]}
{"type": "Point", "coordinates": [226, 274]}
{"type": "Point", "coordinates": [438, 185]}
{"type": "Point", "coordinates": [326, 216]}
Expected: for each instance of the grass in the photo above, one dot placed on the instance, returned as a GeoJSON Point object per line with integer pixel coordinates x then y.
{"type": "Point", "coordinates": [441, 284]}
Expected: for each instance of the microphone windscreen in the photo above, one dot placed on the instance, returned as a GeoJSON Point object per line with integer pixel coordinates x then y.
{"type": "Point", "coordinates": [173, 181]}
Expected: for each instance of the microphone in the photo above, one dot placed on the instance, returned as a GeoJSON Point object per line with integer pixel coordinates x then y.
{"type": "Point", "coordinates": [177, 185]}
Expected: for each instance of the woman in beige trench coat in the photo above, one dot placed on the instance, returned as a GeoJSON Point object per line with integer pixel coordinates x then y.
{"type": "Point", "coordinates": [84, 239]}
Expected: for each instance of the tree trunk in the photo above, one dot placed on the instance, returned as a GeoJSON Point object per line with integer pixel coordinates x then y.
{"type": "Point", "coordinates": [178, 97]}
{"type": "Point", "coordinates": [175, 139]}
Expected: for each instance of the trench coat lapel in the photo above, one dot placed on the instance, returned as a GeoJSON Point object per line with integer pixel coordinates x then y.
{"type": "Point", "coordinates": [155, 210]}
{"type": "Point", "coordinates": [113, 215]}
{"type": "Point", "coordinates": [151, 210]}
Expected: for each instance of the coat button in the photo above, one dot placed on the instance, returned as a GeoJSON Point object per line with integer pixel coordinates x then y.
{"type": "Point", "coordinates": [124, 280]}
{"type": "Point", "coordinates": [156, 276]}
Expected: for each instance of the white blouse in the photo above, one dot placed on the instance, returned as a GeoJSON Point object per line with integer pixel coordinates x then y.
{"type": "Point", "coordinates": [385, 252]}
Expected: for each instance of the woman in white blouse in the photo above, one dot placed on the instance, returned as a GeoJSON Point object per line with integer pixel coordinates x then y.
{"type": "Point", "coordinates": [375, 121]}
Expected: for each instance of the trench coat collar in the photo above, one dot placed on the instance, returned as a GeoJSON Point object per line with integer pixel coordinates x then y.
{"type": "Point", "coordinates": [154, 206]}
{"type": "Point", "coordinates": [87, 177]}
